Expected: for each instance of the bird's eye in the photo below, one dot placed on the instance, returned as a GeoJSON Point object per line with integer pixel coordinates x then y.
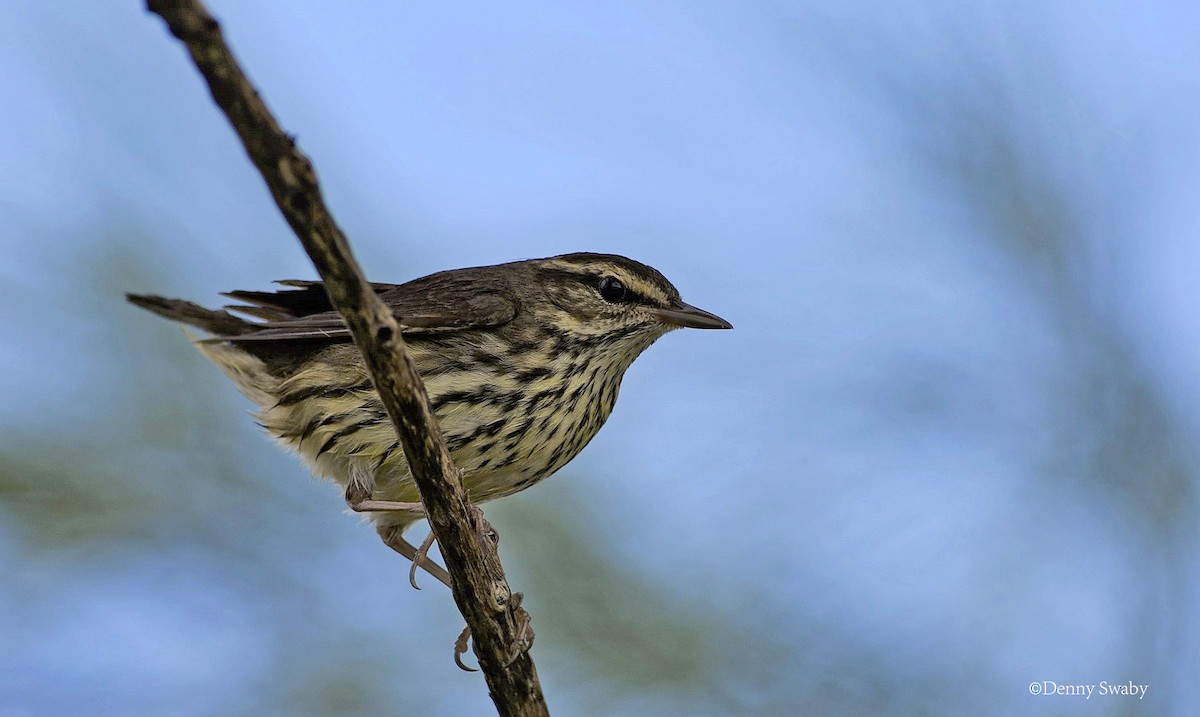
{"type": "Point", "coordinates": [611, 289]}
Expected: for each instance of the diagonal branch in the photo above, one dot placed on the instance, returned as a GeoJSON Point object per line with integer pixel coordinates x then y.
{"type": "Point", "coordinates": [480, 589]}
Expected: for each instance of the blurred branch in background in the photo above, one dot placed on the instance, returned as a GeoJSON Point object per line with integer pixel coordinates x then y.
{"type": "Point", "coordinates": [130, 474]}
{"type": "Point", "coordinates": [693, 645]}
{"type": "Point", "coordinates": [1049, 181]}
{"type": "Point", "coordinates": [1059, 210]}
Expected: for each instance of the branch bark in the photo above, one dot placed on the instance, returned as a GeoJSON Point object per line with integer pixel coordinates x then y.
{"type": "Point", "coordinates": [491, 610]}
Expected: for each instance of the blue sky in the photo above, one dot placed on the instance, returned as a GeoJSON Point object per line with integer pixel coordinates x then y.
{"type": "Point", "coordinates": [946, 452]}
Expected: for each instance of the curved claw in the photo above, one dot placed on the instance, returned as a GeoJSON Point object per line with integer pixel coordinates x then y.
{"type": "Point", "coordinates": [393, 537]}
{"type": "Point", "coordinates": [460, 649]}
{"type": "Point", "coordinates": [418, 558]}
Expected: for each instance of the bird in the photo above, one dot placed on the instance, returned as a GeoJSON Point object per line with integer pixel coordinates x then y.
{"type": "Point", "coordinates": [522, 363]}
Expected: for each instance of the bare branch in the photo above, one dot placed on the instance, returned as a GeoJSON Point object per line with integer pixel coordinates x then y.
{"type": "Point", "coordinates": [498, 624]}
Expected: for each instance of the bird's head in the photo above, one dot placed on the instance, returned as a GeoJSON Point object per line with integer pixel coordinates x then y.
{"type": "Point", "coordinates": [609, 299]}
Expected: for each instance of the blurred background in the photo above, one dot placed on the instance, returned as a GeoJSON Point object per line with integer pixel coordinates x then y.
{"type": "Point", "coordinates": [948, 451]}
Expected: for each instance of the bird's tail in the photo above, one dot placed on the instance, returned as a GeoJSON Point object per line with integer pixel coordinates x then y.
{"type": "Point", "coordinates": [248, 371]}
{"type": "Point", "coordinates": [216, 322]}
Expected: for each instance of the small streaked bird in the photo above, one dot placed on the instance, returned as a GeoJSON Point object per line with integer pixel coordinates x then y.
{"type": "Point", "coordinates": [522, 363]}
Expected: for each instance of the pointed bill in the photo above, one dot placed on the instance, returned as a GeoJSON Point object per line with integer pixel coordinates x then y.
{"type": "Point", "coordinates": [690, 317]}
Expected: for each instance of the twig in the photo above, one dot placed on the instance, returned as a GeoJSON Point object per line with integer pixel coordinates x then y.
{"type": "Point", "coordinates": [480, 589]}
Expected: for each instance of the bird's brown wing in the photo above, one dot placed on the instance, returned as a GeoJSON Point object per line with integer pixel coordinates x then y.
{"type": "Point", "coordinates": [436, 304]}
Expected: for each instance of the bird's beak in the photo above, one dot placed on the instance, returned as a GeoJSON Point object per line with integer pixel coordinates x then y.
{"type": "Point", "coordinates": [690, 317]}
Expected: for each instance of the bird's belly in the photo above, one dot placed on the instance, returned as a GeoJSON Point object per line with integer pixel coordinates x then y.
{"type": "Point", "coordinates": [502, 437]}
{"type": "Point", "coordinates": [528, 449]}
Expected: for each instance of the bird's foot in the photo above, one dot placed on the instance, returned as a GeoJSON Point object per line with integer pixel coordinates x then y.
{"type": "Point", "coordinates": [484, 529]}
{"type": "Point", "coordinates": [460, 649]}
{"type": "Point", "coordinates": [524, 639]}
{"type": "Point", "coordinates": [421, 557]}
{"type": "Point", "coordinates": [392, 536]}
{"type": "Point", "coordinates": [521, 643]}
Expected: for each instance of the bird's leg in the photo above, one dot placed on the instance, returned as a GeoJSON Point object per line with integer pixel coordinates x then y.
{"type": "Point", "coordinates": [358, 497]}
{"type": "Point", "coordinates": [371, 506]}
{"type": "Point", "coordinates": [360, 489]}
